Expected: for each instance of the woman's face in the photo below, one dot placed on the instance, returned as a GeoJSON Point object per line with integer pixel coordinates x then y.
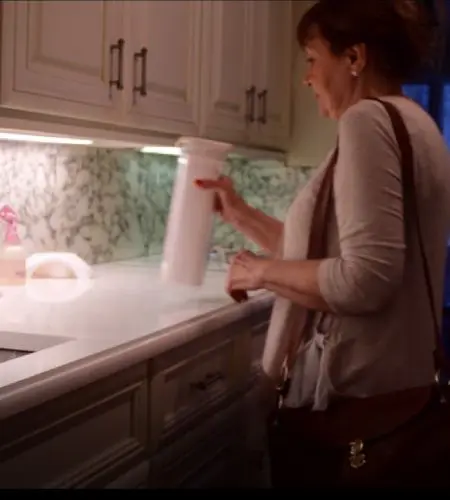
{"type": "Point", "coordinates": [330, 78]}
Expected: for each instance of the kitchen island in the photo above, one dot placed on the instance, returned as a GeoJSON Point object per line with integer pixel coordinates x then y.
{"type": "Point", "coordinates": [126, 382]}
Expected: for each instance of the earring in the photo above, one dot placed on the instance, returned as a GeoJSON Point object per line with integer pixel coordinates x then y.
{"type": "Point", "coordinates": [354, 73]}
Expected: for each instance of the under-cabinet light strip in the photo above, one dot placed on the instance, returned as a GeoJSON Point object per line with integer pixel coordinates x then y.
{"type": "Point", "coordinates": [162, 150]}
{"type": "Point", "coordinates": [6, 136]}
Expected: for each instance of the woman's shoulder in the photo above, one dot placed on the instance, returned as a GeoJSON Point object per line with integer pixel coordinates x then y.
{"type": "Point", "coordinates": [364, 116]}
{"type": "Point", "coordinates": [367, 123]}
{"type": "Point", "coordinates": [368, 115]}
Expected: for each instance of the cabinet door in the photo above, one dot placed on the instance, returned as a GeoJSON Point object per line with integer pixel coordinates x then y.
{"type": "Point", "coordinates": [83, 439]}
{"type": "Point", "coordinates": [226, 70]}
{"type": "Point", "coordinates": [56, 56]}
{"type": "Point", "coordinates": [274, 39]}
{"type": "Point", "coordinates": [208, 456]}
{"type": "Point", "coordinates": [165, 62]}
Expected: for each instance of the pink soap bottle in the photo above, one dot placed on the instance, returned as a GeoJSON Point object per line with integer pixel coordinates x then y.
{"type": "Point", "coordinates": [12, 254]}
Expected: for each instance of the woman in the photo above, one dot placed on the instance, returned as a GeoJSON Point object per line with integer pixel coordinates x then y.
{"type": "Point", "coordinates": [364, 368]}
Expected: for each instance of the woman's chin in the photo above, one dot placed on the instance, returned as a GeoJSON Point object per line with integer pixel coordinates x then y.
{"type": "Point", "coordinates": [325, 112]}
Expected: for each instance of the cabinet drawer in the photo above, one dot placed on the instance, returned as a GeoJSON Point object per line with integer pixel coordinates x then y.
{"type": "Point", "coordinates": [205, 457]}
{"type": "Point", "coordinates": [134, 479]}
{"type": "Point", "coordinates": [186, 392]}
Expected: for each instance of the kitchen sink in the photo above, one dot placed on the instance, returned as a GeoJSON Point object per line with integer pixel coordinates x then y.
{"type": "Point", "coordinates": [8, 354]}
{"type": "Point", "coordinates": [14, 345]}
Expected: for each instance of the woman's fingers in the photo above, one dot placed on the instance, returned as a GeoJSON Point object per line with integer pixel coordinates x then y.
{"type": "Point", "coordinates": [238, 295]}
{"type": "Point", "coordinates": [215, 185]}
{"type": "Point", "coordinates": [223, 183]}
{"type": "Point", "coordinates": [207, 184]}
{"type": "Point", "coordinates": [217, 204]}
{"type": "Point", "coordinates": [243, 256]}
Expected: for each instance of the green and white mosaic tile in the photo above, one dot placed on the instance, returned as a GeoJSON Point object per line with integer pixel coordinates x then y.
{"type": "Point", "coordinates": [108, 205]}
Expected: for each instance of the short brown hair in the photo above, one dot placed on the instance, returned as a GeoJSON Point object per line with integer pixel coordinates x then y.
{"type": "Point", "coordinates": [397, 33]}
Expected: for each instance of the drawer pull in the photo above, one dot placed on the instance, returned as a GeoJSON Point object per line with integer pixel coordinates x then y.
{"type": "Point", "coordinates": [250, 103]}
{"type": "Point", "coordinates": [207, 381]}
{"type": "Point", "coordinates": [142, 88]}
{"type": "Point", "coordinates": [262, 99]}
{"type": "Point", "coordinates": [118, 82]}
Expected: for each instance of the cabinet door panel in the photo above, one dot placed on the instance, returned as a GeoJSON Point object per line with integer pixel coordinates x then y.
{"type": "Point", "coordinates": [83, 439]}
{"type": "Point", "coordinates": [59, 56]}
{"type": "Point", "coordinates": [207, 456]}
{"type": "Point", "coordinates": [170, 32]}
{"type": "Point", "coordinates": [274, 72]}
{"type": "Point", "coordinates": [226, 69]}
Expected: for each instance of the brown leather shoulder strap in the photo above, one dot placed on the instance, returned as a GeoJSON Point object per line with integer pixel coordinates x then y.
{"type": "Point", "coordinates": [411, 213]}
{"type": "Point", "coordinates": [323, 205]}
{"type": "Point", "coordinates": [316, 250]}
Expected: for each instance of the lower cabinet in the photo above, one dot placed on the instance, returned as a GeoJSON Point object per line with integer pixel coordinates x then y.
{"type": "Point", "coordinates": [134, 479]}
{"type": "Point", "coordinates": [83, 439]}
{"type": "Point", "coordinates": [203, 411]}
{"type": "Point", "coordinates": [206, 456]}
{"type": "Point", "coordinates": [193, 383]}
{"type": "Point", "coordinates": [180, 420]}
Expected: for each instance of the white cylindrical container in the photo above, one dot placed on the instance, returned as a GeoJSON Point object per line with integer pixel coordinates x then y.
{"type": "Point", "coordinates": [190, 220]}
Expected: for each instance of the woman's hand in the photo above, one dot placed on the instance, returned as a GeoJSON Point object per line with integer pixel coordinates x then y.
{"type": "Point", "coordinates": [227, 203]}
{"type": "Point", "coordinates": [247, 272]}
{"type": "Point", "coordinates": [264, 230]}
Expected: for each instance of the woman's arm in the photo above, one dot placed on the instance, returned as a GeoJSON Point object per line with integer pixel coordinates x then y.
{"type": "Point", "coordinates": [257, 226]}
{"type": "Point", "coordinates": [264, 230]}
{"type": "Point", "coordinates": [369, 211]}
{"type": "Point", "coordinates": [296, 281]}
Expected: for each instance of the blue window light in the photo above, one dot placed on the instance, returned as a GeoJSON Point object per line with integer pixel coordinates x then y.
{"type": "Point", "coordinates": [418, 92]}
{"type": "Point", "coordinates": [446, 112]}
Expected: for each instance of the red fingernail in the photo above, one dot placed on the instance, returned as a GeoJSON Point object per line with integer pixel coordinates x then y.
{"type": "Point", "coordinates": [239, 295]}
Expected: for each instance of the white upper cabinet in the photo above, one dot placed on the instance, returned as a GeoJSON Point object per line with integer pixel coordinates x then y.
{"type": "Point", "coordinates": [165, 41]}
{"type": "Point", "coordinates": [63, 58]}
{"type": "Point", "coordinates": [226, 69]}
{"type": "Point", "coordinates": [272, 70]}
{"type": "Point", "coordinates": [219, 69]}
{"type": "Point", "coordinates": [136, 64]}
{"type": "Point", "coordinates": [247, 71]}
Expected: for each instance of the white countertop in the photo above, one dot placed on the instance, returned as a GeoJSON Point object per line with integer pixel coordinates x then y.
{"type": "Point", "coordinates": [125, 316]}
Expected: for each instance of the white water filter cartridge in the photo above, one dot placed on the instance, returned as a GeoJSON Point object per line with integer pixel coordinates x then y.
{"type": "Point", "coordinates": [191, 217]}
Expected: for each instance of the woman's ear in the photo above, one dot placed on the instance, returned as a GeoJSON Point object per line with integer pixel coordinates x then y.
{"type": "Point", "coordinates": [357, 58]}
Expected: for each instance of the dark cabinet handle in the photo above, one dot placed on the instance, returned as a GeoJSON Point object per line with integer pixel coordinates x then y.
{"type": "Point", "coordinates": [250, 104]}
{"type": "Point", "coordinates": [262, 101]}
{"type": "Point", "coordinates": [142, 88]}
{"type": "Point", "coordinates": [118, 82]}
{"type": "Point", "coordinates": [207, 381]}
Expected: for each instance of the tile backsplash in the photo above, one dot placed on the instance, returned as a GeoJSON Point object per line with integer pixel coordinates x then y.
{"type": "Point", "coordinates": [109, 205]}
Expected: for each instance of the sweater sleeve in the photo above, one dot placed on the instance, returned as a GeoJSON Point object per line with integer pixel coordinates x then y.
{"type": "Point", "coordinates": [369, 212]}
